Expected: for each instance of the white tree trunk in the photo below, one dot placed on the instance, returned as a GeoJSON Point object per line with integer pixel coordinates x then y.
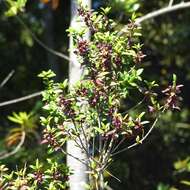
{"type": "Point", "coordinates": [79, 177]}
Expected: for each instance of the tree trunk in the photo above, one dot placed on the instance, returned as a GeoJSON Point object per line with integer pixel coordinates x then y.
{"type": "Point", "coordinates": [79, 177]}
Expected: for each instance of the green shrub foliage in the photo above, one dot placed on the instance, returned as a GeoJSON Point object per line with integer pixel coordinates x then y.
{"type": "Point", "coordinates": [89, 112]}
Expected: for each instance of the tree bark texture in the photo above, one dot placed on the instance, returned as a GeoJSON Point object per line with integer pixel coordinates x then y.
{"type": "Point", "coordinates": [79, 177]}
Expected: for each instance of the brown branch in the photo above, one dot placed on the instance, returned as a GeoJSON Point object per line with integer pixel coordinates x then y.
{"type": "Point", "coordinates": [8, 154]}
{"type": "Point", "coordinates": [14, 101]}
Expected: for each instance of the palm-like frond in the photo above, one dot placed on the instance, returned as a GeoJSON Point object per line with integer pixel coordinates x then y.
{"type": "Point", "coordinates": [26, 123]}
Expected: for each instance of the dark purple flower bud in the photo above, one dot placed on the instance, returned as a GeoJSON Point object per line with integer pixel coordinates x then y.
{"type": "Point", "coordinates": [138, 124]}
{"type": "Point", "coordinates": [93, 102]}
{"type": "Point", "coordinates": [172, 98]}
{"type": "Point", "coordinates": [118, 61]}
{"type": "Point", "coordinates": [95, 98]}
{"type": "Point", "coordinates": [151, 109]}
{"type": "Point", "coordinates": [38, 176]}
{"type": "Point", "coordinates": [56, 175]}
{"type": "Point", "coordinates": [63, 102]}
{"type": "Point", "coordinates": [139, 57]}
{"type": "Point", "coordinates": [172, 102]}
{"type": "Point", "coordinates": [81, 11]}
{"type": "Point", "coordinates": [131, 26]}
{"type": "Point", "coordinates": [82, 91]}
{"type": "Point", "coordinates": [138, 127]}
{"type": "Point", "coordinates": [117, 122]}
{"type": "Point", "coordinates": [70, 112]}
{"type": "Point", "coordinates": [66, 178]}
{"type": "Point", "coordinates": [82, 47]}
{"type": "Point", "coordinates": [111, 111]}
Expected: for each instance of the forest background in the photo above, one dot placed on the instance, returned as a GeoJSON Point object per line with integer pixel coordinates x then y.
{"type": "Point", "coordinates": [163, 161]}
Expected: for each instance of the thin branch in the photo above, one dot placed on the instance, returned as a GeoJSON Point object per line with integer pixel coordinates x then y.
{"type": "Point", "coordinates": [14, 101]}
{"type": "Point", "coordinates": [108, 154]}
{"type": "Point", "coordinates": [50, 50]}
{"type": "Point", "coordinates": [83, 161]}
{"type": "Point", "coordinates": [118, 145]}
{"type": "Point", "coordinates": [7, 78]}
{"type": "Point", "coordinates": [8, 154]}
{"type": "Point", "coordinates": [158, 12]}
{"type": "Point", "coordinates": [76, 158]}
{"type": "Point", "coordinates": [100, 136]}
{"type": "Point", "coordinates": [93, 145]}
{"type": "Point", "coordinates": [171, 3]}
{"type": "Point", "coordinates": [80, 139]}
{"type": "Point", "coordinates": [109, 173]}
{"type": "Point", "coordinates": [141, 141]}
{"type": "Point", "coordinates": [135, 106]}
{"type": "Point", "coordinates": [86, 139]}
{"type": "Point", "coordinates": [82, 147]}
{"type": "Point", "coordinates": [78, 145]}
{"type": "Point", "coordinates": [162, 11]}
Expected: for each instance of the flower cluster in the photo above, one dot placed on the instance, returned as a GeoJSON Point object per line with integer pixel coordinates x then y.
{"type": "Point", "coordinates": [82, 47]}
{"type": "Point", "coordinates": [87, 17]}
{"type": "Point", "coordinates": [105, 82]}
{"type": "Point", "coordinates": [91, 110]}
{"type": "Point", "coordinates": [37, 177]}
{"type": "Point", "coordinates": [66, 106]}
{"type": "Point", "coordinates": [49, 139]}
{"type": "Point", "coordinates": [172, 96]}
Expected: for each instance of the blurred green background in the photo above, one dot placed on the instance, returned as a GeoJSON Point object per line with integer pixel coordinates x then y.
{"type": "Point", "coordinates": [163, 161]}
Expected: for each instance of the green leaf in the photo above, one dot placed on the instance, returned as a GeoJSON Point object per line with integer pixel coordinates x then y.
{"type": "Point", "coordinates": [15, 7]}
{"type": "Point", "coordinates": [138, 140]}
{"type": "Point", "coordinates": [64, 84]}
{"type": "Point", "coordinates": [133, 17]}
{"type": "Point", "coordinates": [141, 115]}
{"type": "Point", "coordinates": [106, 10]}
{"type": "Point", "coordinates": [47, 74]}
{"type": "Point", "coordinates": [181, 164]}
{"type": "Point", "coordinates": [99, 130]}
{"type": "Point", "coordinates": [185, 182]}
{"type": "Point", "coordinates": [174, 79]}
{"type": "Point", "coordinates": [14, 119]}
{"type": "Point", "coordinates": [162, 186]}
{"type": "Point", "coordinates": [139, 71]}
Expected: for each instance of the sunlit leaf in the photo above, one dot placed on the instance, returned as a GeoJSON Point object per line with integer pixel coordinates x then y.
{"type": "Point", "coordinates": [185, 182]}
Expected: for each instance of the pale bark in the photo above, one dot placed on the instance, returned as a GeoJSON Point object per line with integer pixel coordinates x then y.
{"type": "Point", "coordinates": [79, 177]}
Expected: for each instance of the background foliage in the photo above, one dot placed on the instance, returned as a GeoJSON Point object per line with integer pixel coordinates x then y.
{"type": "Point", "coordinates": [162, 162]}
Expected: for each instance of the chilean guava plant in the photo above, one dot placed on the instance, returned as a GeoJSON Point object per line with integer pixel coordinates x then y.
{"type": "Point", "coordinates": [89, 113]}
